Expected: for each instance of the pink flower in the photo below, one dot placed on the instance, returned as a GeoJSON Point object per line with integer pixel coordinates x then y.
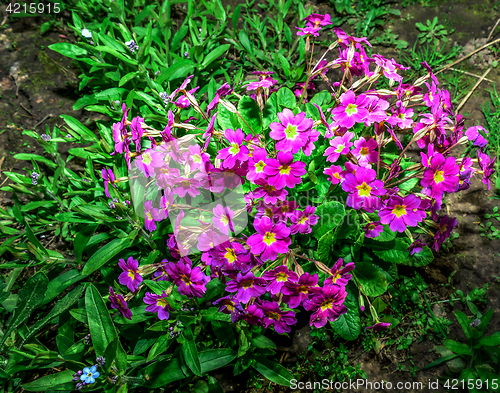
{"type": "Point", "coordinates": [351, 110]}
{"type": "Point", "coordinates": [246, 286]}
{"type": "Point", "coordinates": [339, 275]}
{"type": "Point", "coordinates": [264, 84]}
{"type": "Point", "coordinates": [334, 174]}
{"type": "Point", "coordinates": [303, 221]}
{"type": "Point", "coordinates": [487, 166]}
{"type": "Point", "coordinates": [308, 31]}
{"type": "Point", "coordinates": [416, 247]}
{"type": "Point", "coordinates": [402, 212]}
{"type": "Point", "coordinates": [158, 304]}
{"type": "Point", "coordinates": [130, 277]}
{"type": "Point", "coordinates": [363, 189]}
{"type": "Point", "coordinates": [183, 186]}
{"type": "Point", "coordinates": [441, 176]}
{"type": "Point", "coordinates": [109, 178]}
{"type": "Point", "coordinates": [269, 193]}
{"type": "Point", "coordinates": [236, 152]}
{"type": "Point", "coordinates": [373, 229]}
{"type": "Point", "coordinates": [318, 20]}
{"type": "Point", "coordinates": [279, 277]}
{"type": "Point", "coordinates": [270, 240]}
{"type": "Point", "coordinates": [119, 303]}
{"type": "Point", "coordinates": [283, 171]}
{"type": "Point", "coordinates": [296, 292]}
{"type": "Point", "coordinates": [327, 305]}
{"type": "Point", "coordinates": [365, 151]}
{"type": "Point", "coordinates": [151, 214]}
{"type": "Point", "coordinates": [148, 161]}
{"type": "Point", "coordinates": [190, 281]}
{"type": "Point", "coordinates": [229, 305]}
{"type": "Point", "coordinates": [280, 320]}
{"type": "Point", "coordinates": [291, 133]}
{"type": "Point", "coordinates": [445, 227]}
{"type": "Point", "coordinates": [256, 165]}
{"type": "Point", "coordinates": [475, 137]}
{"type": "Point", "coordinates": [223, 219]}
{"type": "Point", "coordinates": [379, 326]}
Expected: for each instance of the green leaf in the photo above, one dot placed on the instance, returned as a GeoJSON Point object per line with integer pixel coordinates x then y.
{"type": "Point", "coordinates": [286, 98]}
{"type": "Point", "coordinates": [79, 128]}
{"type": "Point", "coordinates": [330, 215]}
{"type": "Point", "coordinates": [372, 279]}
{"type": "Point", "coordinates": [263, 342]}
{"type": "Point", "coordinates": [458, 348]}
{"type": "Point", "coordinates": [190, 352]}
{"type": "Point", "coordinates": [270, 113]}
{"type": "Point", "coordinates": [250, 116]}
{"type": "Point", "coordinates": [385, 236]}
{"type": "Point", "coordinates": [60, 307]}
{"type": "Point", "coordinates": [423, 258]}
{"type": "Point", "coordinates": [325, 244]}
{"type": "Point", "coordinates": [36, 157]}
{"type": "Point", "coordinates": [30, 296]}
{"type": "Point", "coordinates": [398, 254]}
{"type": "Point", "coordinates": [115, 53]}
{"type": "Point", "coordinates": [215, 54]}
{"type": "Point", "coordinates": [69, 50]}
{"type": "Point", "coordinates": [245, 41]}
{"type": "Point", "coordinates": [273, 371]}
{"type": "Point", "coordinates": [348, 325]}
{"type": "Point", "coordinates": [60, 283]}
{"type": "Point", "coordinates": [81, 240]}
{"type": "Point", "coordinates": [49, 382]}
{"type": "Point", "coordinates": [104, 254]}
{"type": "Point", "coordinates": [101, 326]}
{"type": "Point", "coordinates": [464, 322]}
{"type": "Point", "coordinates": [489, 341]}
{"type": "Point", "coordinates": [127, 77]}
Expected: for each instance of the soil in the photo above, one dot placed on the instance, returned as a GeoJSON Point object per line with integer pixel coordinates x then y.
{"type": "Point", "coordinates": [36, 82]}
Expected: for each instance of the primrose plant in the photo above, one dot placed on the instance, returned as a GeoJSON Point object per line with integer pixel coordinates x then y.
{"type": "Point", "coordinates": [232, 196]}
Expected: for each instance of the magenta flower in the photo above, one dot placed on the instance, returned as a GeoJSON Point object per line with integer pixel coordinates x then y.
{"type": "Point", "coordinates": [487, 166]}
{"type": "Point", "coordinates": [373, 229]}
{"type": "Point", "coordinates": [270, 240]}
{"type": "Point", "coordinates": [190, 281]}
{"type": "Point", "coordinates": [151, 215]}
{"type": "Point", "coordinates": [445, 227]}
{"type": "Point", "coordinates": [303, 221]}
{"type": "Point", "coordinates": [339, 275]}
{"type": "Point", "coordinates": [229, 305]}
{"type": "Point", "coordinates": [158, 304]}
{"type": "Point", "coordinates": [137, 132]}
{"type": "Point", "coordinates": [296, 292]}
{"type": "Point", "coordinates": [119, 303]}
{"type": "Point", "coordinates": [416, 247]}
{"type": "Point", "coordinates": [256, 165]}
{"type": "Point", "coordinates": [253, 314]}
{"type": "Point", "coordinates": [183, 186]}
{"type": "Point", "coordinates": [280, 320]}
{"type": "Point", "coordinates": [246, 286]}
{"type": "Point", "coordinates": [278, 277]}
{"type": "Point", "coordinates": [318, 20]}
{"type": "Point", "coordinates": [149, 160]}
{"type": "Point", "coordinates": [365, 151]}
{"type": "Point", "coordinates": [475, 137]}
{"type": "Point", "coordinates": [236, 152]}
{"type": "Point", "coordinates": [363, 189]}
{"type": "Point", "coordinates": [339, 145]}
{"type": "Point", "coordinates": [283, 171]}
{"type": "Point", "coordinates": [335, 174]}
{"type": "Point", "coordinates": [130, 277]}
{"type": "Point", "coordinates": [402, 212]}
{"type": "Point", "coordinates": [261, 84]}
{"type": "Point", "coordinates": [441, 176]}
{"type": "Point", "coordinates": [269, 193]}
{"type": "Point", "coordinates": [108, 177]}
{"type": "Point", "coordinates": [291, 133]}
{"type": "Point", "coordinates": [379, 326]}
{"type": "Point", "coordinates": [327, 305]}
{"type": "Point", "coordinates": [308, 31]}
{"type": "Point", "coordinates": [223, 219]}
{"type": "Point", "coordinates": [351, 110]}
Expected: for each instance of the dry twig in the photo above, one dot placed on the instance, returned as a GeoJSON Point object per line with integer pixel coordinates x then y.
{"type": "Point", "coordinates": [473, 88]}
{"type": "Point", "coordinates": [492, 30]}
{"type": "Point", "coordinates": [471, 74]}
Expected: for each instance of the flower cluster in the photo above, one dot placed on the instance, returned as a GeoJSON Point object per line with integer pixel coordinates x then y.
{"type": "Point", "coordinates": [208, 184]}
{"type": "Point", "coordinates": [132, 46]}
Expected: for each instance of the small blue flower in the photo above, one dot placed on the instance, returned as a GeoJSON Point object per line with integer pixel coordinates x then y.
{"type": "Point", "coordinates": [89, 374]}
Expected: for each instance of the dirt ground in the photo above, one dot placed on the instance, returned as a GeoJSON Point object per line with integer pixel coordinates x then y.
{"type": "Point", "coordinates": [37, 85]}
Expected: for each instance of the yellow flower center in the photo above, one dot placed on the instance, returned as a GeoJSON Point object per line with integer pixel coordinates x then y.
{"type": "Point", "coordinates": [291, 132]}
{"type": "Point", "coordinates": [285, 170]}
{"type": "Point", "coordinates": [281, 277]}
{"type": "Point", "coordinates": [364, 190]}
{"type": "Point", "coordinates": [399, 210]}
{"type": "Point", "coordinates": [259, 167]}
{"type": "Point", "coordinates": [340, 148]}
{"type": "Point", "coordinates": [303, 289]}
{"type": "Point", "coordinates": [326, 304]}
{"type": "Point", "coordinates": [335, 276]}
{"type": "Point", "coordinates": [269, 238]}
{"type": "Point", "coordinates": [161, 302]}
{"type": "Point", "coordinates": [230, 255]}
{"type": "Point", "coordinates": [196, 158]}
{"type": "Point", "coordinates": [273, 315]}
{"type": "Point", "coordinates": [149, 216]}
{"type": "Point", "coordinates": [269, 188]}
{"type": "Point", "coordinates": [235, 149]}
{"type": "Point", "coordinates": [146, 158]}
{"type": "Point", "coordinates": [224, 219]}
{"type": "Point", "coordinates": [247, 284]}
{"type": "Point", "coordinates": [439, 177]}
{"type": "Point", "coordinates": [303, 220]}
{"type": "Point", "coordinates": [186, 280]}
{"type": "Point", "coordinates": [131, 274]}
{"type": "Point", "coordinates": [351, 109]}
{"type": "Point", "coordinates": [364, 151]}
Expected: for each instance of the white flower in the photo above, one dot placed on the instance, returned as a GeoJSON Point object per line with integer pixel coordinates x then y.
{"type": "Point", "coordinates": [86, 33]}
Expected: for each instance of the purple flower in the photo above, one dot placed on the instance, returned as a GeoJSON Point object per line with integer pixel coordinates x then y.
{"type": "Point", "coordinates": [334, 173]}
{"type": "Point", "coordinates": [487, 166]}
{"type": "Point", "coordinates": [379, 326]}
{"type": "Point", "coordinates": [339, 275]}
{"type": "Point", "coordinates": [223, 219]}
{"type": "Point", "coordinates": [339, 145]}
{"type": "Point", "coordinates": [327, 305]}
{"type": "Point", "coordinates": [441, 176]}
{"type": "Point", "coordinates": [318, 20]}
{"type": "Point", "coordinates": [236, 152]}
{"type": "Point", "coordinates": [291, 133]}
{"type": "Point", "coordinates": [151, 214]}
{"type": "Point", "coordinates": [278, 277]}
{"type": "Point", "coordinates": [185, 186]}
{"type": "Point", "coordinates": [402, 212]}
{"type": "Point", "coordinates": [303, 221]}
{"type": "Point", "coordinates": [351, 110]}
{"type": "Point", "coordinates": [283, 171]}
{"type": "Point", "coordinates": [308, 31]}
{"type": "Point", "coordinates": [119, 303]}
{"type": "Point", "coordinates": [270, 240]}
{"type": "Point", "coordinates": [363, 189]}
{"type": "Point", "coordinates": [256, 165]}
{"type": "Point", "coordinates": [269, 193]}
{"type": "Point", "coordinates": [416, 247]}
{"type": "Point", "coordinates": [148, 161]}
{"type": "Point", "coordinates": [296, 292]}
{"type": "Point", "coordinates": [365, 151]}
{"type": "Point", "coordinates": [261, 84]}
{"type": "Point", "coordinates": [373, 229]}
{"type": "Point", "coordinates": [445, 227]}
{"type": "Point", "coordinates": [130, 277]}
{"type": "Point", "coordinates": [475, 137]}
{"type": "Point", "coordinates": [191, 281]}
{"type": "Point", "coordinates": [108, 177]}
{"type": "Point", "coordinates": [280, 320]}
{"type": "Point", "coordinates": [246, 286]}
{"type": "Point", "coordinates": [229, 305]}
{"type": "Point", "coordinates": [158, 303]}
